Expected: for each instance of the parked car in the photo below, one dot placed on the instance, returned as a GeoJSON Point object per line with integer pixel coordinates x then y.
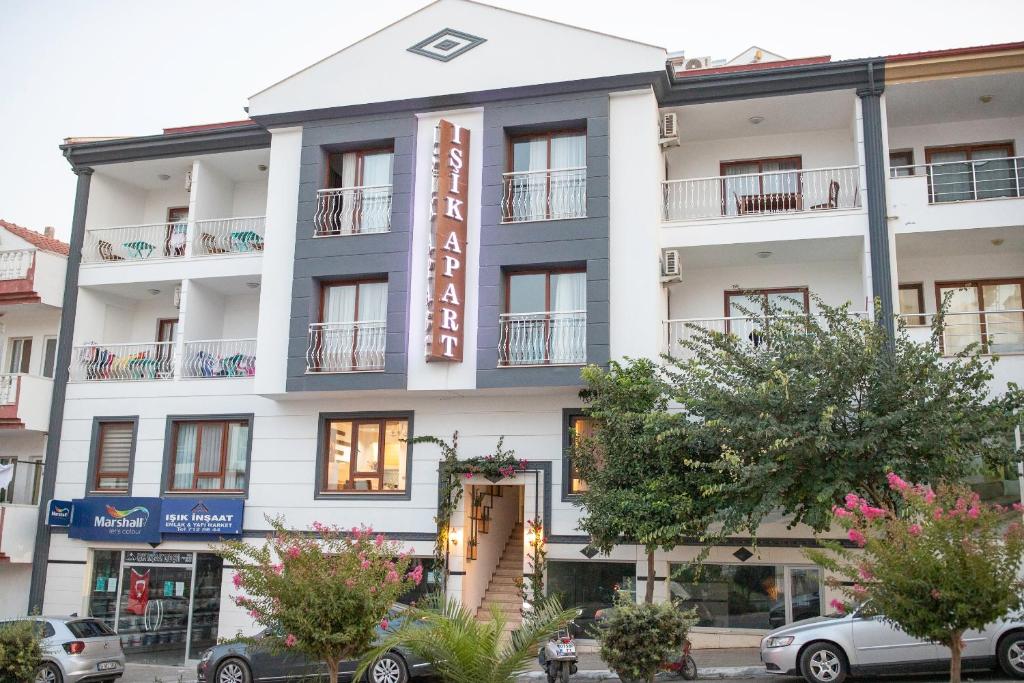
{"type": "Point", "coordinates": [252, 663]}
{"type": "Point", "coordinates": [76, 650]}
{"type": "Point", "coordinates": [830, 648]}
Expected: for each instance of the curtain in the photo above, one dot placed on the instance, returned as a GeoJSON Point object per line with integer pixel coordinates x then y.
{"type": "Point", "coordinates": [238, 442]}
{"type": "Point", "coordinates": [568, 327]}
{"type": "Point", "coordinates": [375, 205]}
{"type": "Point", "coordinates": [336, 341]}
{"type": "Point", "coordinates": [528, 194]}
{"type": "Point", "coordinates": [568, 189]}
{"type": "Point", "coordinates": [951, 182]}
{"type": "Point", "coordinates": [994, 174]}
{"type": "Point", "coordinates": [185, 455]}
{"type": "Point", "coordinates": [779, 183]}
{"type": "Point", "coordinates": [735, 189]}
{"type": "Point", "coordinates": [209, 455]}
{"type": "Point", "coordinates": [373, 314]}
{"type": "Point", "coordinates": [1005, 330]}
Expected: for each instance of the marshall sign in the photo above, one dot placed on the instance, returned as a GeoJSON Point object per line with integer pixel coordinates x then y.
{"type": "Point", "coordinates": [446, 269]}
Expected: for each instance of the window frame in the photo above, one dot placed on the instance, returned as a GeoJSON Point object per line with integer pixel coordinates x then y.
{"type": "Point", "coordinates": [24, 362]}
{"type": "Point", "coordinates": [323, 425]}
{"type": "Point", "coordinates": [170, 446]}
{"type": "Point", "coordinates": [569, 417]}
{"type": "Point", "coordinates": [978, 285]}
{"type": "Point", "coordinates": [803, 291]}
{"type": "Point", "coordinates": [921, 315]}
{"type": "Point", "coordinates": [760, 161]}
{"type": "Point", "coordinates": [95, 456]}
{"type": "Point", "coordinates": [908, 154]}
{"type": "Point", "coordinates": [547, 135]}
{"type": "Point", "coordinates": [969, 148]}
{"type": "Point", "coordinates": [47, 341]}
{"type": "Point", "coordinates": [548, 272]}
{"type": "Point", "coordinates": [346, 282]}
{"type": "Point", "coordinates": [360, 152]}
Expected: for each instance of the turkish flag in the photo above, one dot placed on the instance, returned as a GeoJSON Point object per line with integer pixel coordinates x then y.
{"type": "Point", "coordinates": [138, 593]}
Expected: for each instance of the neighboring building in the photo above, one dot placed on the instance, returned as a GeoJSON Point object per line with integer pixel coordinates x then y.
{"type": "Point", "coordinates": [32, 275]}
{"type": "Point", "coordinates": [250, 335]}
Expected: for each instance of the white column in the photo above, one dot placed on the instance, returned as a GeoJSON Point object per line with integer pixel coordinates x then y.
{"type": "Point", "coordinates": [862, 183]}
{"type": "Point", "coordinates": [278, 260]}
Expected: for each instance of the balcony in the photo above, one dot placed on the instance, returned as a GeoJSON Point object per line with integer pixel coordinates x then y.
{"type": "Point", "coordinates": [544, 195]}
{"type": "Point", "coordinates": [122, 362]}
{"type": "Point", "coordinates": [754, 194]}
{"type": "Point", "coordinates": [748, 329]}
{"type": "Point", "coordinates": [543, 338]}
{"type": "Point", "coordinates": [996, 332]}
{"type": "Point", "coordinates": [358, 210]}
{"type": "Point", "coordinates": [220, 236]}
{"type": "Point", "coordinates": [347, 346]}
{"type": "Point", "coordinates": [15, 265]}
{"type": "Point", "coordinates": [25, 402]}
{"type": "Point", "coordinates": [218, 358]}
{"type": "Point", "coordinates": [135, 243]}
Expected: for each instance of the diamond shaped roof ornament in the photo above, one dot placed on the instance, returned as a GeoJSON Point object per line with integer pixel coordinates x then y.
{"type": "Point", "coordinates": [589, 551]}
{"type": "Point", "coordinates": [446, 45]}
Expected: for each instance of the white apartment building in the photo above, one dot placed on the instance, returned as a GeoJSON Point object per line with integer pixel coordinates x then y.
{"type": "Point", "coordinates": [32, 266]}
{"type": "Point", "coordinates": [249, 334]}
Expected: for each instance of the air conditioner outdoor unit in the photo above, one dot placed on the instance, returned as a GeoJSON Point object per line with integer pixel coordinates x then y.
{"type": "Point", "coordinates": [696, 63]}
{"type": "Point", "coordinates": [670, 267]}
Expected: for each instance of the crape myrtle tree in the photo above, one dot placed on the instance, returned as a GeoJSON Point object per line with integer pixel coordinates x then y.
{"type": "Point", "coordinates": [641, 464]}
{"type": "Point", "coordinates": [323, 593]}
{"type": "Point", "coordinates": [807, 408]}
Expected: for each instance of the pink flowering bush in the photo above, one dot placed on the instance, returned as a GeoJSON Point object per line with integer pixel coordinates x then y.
{"type": "Point", "coordinates": [943, 563]}
{"type": "Point", "coordinates": [325, 591]}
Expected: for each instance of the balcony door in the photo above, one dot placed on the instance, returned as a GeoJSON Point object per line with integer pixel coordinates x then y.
{"type": "Point", "coordinates": [354, 325]}
{"type": "Point", "coordinates": [548, 176]}
{"type": "Point", "coordinates": [985, 312]}
{"type": "Point", "coordinates": [761, 186]}
{"type": "Point", "coordinates": [972, 172]}
{"type": "Point", "coordinates": [19, 353]}
{"type": "Point", "coordinates": [365, 204]}
{"type": "Point", "coordinates": [177, 229]}
{"type": "Point", "coordinates": [788, 301]}
{"type": "Point", "coordinates": [545, 320]}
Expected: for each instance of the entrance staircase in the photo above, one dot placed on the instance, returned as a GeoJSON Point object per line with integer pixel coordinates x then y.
{"type": "Point", "coordinates": [501, 591]}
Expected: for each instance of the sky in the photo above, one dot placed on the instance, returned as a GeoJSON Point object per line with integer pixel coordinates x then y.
{"type": "Point", "coordinates": [134, 67]}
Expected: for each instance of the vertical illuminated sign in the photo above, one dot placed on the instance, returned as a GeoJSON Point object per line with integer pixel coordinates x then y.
{"type": "Point", "coordinates": [446, 268]}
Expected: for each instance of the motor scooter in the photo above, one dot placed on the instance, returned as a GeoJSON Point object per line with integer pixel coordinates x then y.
{"type": "Point", "coordinates": [558, 656]}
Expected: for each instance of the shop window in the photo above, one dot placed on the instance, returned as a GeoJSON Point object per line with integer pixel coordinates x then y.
{"type": "Point", "coordinates": [590, 586]}
{"type": "Point", "coordinates": [364, 455]}
{"type": "Point", "coordinates": [747, 596]}
{"type": "Point", "coordinates": [209, 455]}
{"type": "Point", "coordinates": [112, 450]}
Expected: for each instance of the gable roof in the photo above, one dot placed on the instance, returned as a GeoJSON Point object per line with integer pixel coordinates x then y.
{"type": "Point", "coordinates": [37, 239]}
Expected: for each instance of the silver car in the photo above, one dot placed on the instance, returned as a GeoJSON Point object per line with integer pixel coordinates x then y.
{"type": "Point", "coordinates": [77, 650]}
{"type": "Point", "coordinates": [828, 649]}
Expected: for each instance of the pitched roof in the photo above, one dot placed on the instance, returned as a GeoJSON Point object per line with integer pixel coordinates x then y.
{"type": "Point", "coordinates": [39, 240]}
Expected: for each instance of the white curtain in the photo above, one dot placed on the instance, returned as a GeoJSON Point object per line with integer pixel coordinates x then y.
{"type": "Point", "coordinates": [568, 188]}
{"type": "Point", "coordinates": [238, 441]}
{"type": "Point", "coordinates": [375, 207]}
{"type": "Point", "coordinates": [185, 456]}
{"type": "Point", "coordinates": [336, 342]}
{"type": "Point", "coordinates": [340, 304]}
{"type": "Point", "coordinates": [529, 191]}
{"type": "Point", "coordinates": [735, 189]}
{"type": "Point", "coordinates": [568, 328]}
{"type": "Point", "coordinates": [373, 313]}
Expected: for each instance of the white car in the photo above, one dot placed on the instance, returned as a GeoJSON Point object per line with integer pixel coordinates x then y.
{"type": "Point", "coordinates": [828, 649]}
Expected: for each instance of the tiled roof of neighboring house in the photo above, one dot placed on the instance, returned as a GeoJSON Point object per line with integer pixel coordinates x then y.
{"type": "Point", "coordinates": [208, 126]}
{"type": "Point", "coordinates": [953, 52]}
{"type": "Point", "coordinates": [757, 66]}
{"type": "Point", "coordinates": [37, 239]}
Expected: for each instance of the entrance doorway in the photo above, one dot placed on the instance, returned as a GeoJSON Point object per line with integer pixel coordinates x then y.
{"type": "Point", "coordinates": [164, 605]}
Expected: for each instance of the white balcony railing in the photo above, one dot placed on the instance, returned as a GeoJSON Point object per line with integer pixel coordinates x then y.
{"type": "Point", "coordinates": [219, 358]}
{"type": "Point", "coordinates": [352, 210]}
{"type": "Point", "coordinates": [135, 242]}
{"type": "Point", "coordinates": [346, 347]}
{"type": "Point", "coordinates": [547, 194]}
{"type": "Point", "coordinates": [122, 362]}
{"type": "Point", "coordinates": [773, 192]}
{"type": "Point", "coordinates": [745, 328]}
{"type": "Point", "coordinates": [959, 181]}
{"type": "Point", "coordinates": [544, 338]}
{"type": "Point", "coordinates": [995, 332]}
{"type": "Point", "coordinates": [14, 265]}
{"type": "Point", "coordinates": [220, 236]}
{"type": "Point", "coordinates": [8, 389]}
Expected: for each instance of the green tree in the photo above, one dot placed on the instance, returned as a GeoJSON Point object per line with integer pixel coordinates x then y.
{"type": "Point", "coordinates": [805, 408]}
{"type": "Point", "coordinates": [324, 592]}
{"type": "Point", "coordinates": [945, 564]}
{"type": "Point", "coordinates": [461, 649]}
{"type": "Point", "coordinates": [20, 655]}
{"type": "Point", "coordinates": [642, 464]}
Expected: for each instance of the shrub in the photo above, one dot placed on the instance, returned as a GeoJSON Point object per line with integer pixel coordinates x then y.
{"type": "Point", "coordinates": [19, 651]}
{"type": "Point", "coordinates": [637, 639]}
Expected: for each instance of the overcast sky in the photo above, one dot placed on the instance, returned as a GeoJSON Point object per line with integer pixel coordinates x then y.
{"type": "Point", "coordinates": [133, 67]}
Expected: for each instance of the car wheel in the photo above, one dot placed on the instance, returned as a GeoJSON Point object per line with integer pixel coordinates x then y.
{"type": "Point", "coordinates": [388, 669]}
{"type": "Point", "coordinates": [48, 673]}
{"type": "Point", "coordinates": [1011, 655]}
{"type": "Point", "coordinates": [823, 663]}
{"type": "Point", "coordinates": [233, 671]}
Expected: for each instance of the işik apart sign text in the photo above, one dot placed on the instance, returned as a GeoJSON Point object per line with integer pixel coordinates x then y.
{"type": "Point", "coordinates": [446, 267]}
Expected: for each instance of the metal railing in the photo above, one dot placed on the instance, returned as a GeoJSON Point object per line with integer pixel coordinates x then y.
{"type": "Point", "coordinates": [960, 181]}
{"type": "Point", "coordinates": [14, 265]}
{"type": "Point", "coordinates": [772, 192]}
{"type": "Point", "coordinates": [218, 358]}
{"type": "Point", "coordinates": [352, 210]}
{"type": "Point", "coordinates": [547, 194]}
{"type": "Point", "coordinates": [135, 242]}
{"type": "Point", "coordinates": [346, 347]}
{"type": "Point", "coordinates": [995, 331]}
{"type": "Point", "coordinates": [543, 338]}
{"type": "Point", "coordinates": [8, 389]}
{"type": "Point", "coordinates": [122, 362]}
{"type": "Point", "coordinates": [745, 328]}
{"type": "Point", "coordinates": [220, 236]}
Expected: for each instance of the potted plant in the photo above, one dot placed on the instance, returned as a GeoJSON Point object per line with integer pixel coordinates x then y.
{"type": "Point", "coordinates": [637, 640]}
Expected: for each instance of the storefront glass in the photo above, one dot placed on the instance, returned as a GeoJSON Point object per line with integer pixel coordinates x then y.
{"type": "Point", "coordinates": [160, 603]}
{"type": "Point", "coordinates": [589, 586]}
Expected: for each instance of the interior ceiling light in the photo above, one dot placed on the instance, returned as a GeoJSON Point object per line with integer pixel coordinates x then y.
{"type": "Point", "coordinates": [164, 176]}
{"type": "Point", "coordinates": [262, 167]}
{"type": "Point", "coordinates": [756, 119]}
{"type": "Point", "coordinates": [154, 292]}
{"type": "Point", "coordinates": [763, 254]}
{"type": "Point", "coordinates": [985, 99]}
{"type": "Point", "coordinates": [997, 242]}
{"type": "Point", "coordinates": [252, 285]}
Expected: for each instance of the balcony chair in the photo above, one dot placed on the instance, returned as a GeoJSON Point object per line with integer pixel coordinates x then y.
{"type": "Point", "coordinates": [210, 244]}
{"type": "Point", "coordinates": [106, 250]}
{"type": "Point", "coordinates": [833, 197]}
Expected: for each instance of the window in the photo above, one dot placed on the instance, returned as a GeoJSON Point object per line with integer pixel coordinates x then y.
{"type": "Point", "coordinates": [547, 177]}
{"type": "Point", "coordinates": [363, 455]}
{"type": "Point", "coordinates": [761, 185]}
{"type": "Point", "coordinates": [901, 163]}
{"type": "Point", "coordinates": [754, 299]}
{"type": "Point", "coordinates": [49, 356]}
{"type": "Point", "coordinates": [912, 301]}
{"type": "Point", "coordinates": [747, 595]}
{"type": "Point", "coordinates": [357, 198]}
{"type": "Point", "coordinates": [7, 492]}
{"type": "Point", "coordinates": [209, 455]}
{"type": "Point", "coordinates": [113, 449]}
{"type": "Point", "coordinates": [590, 585]}
{"type": "Point", "coordinates": [352, 331]}
{"type": "Point", "coordinates": [580, 427]}
{"type": "Point", "coordinates": [976, 171]}
{"type": "Point", "coordinates": [987, 312]}
{"type": "Point", "coordinates": [19, 354]}
{"type": "Point", "coordinates": [545, 319]}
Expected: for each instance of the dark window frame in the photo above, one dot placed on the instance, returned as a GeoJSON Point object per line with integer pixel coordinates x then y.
{"type": "Point", "coordinates": [509, 273]}
{"type": "Point", "coordinates": [547, 135]}
{"type": "Point", "coordinates": [49, 359]}
{"type": "Point", "coordinates": [978, 285]}
{"type": "Point", "coordinates": [356, 282]}
{"type": "Point", "coordinates": [24, 360]}
{"type": "Point", "coordinates": [569, 417]}
{"type": "Point", "coordinates": [919, 287]}
{"type": "Point", "coordinates": [908, 161]}
{"type": "Point", "coordinates": [804, 292]}
{"type": "Point", "coordinates": [761, 161]}
{"type": "Point", "coordinates": [170, 445]}
{"type": "Point", "coordinates": [360, 152]}
{"type": "Point", "coordinates": [323, 425]}
{"type": "Point", "coordinates": [968, 149]}
{"type": "Point", "coordinates": [95, 443]}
